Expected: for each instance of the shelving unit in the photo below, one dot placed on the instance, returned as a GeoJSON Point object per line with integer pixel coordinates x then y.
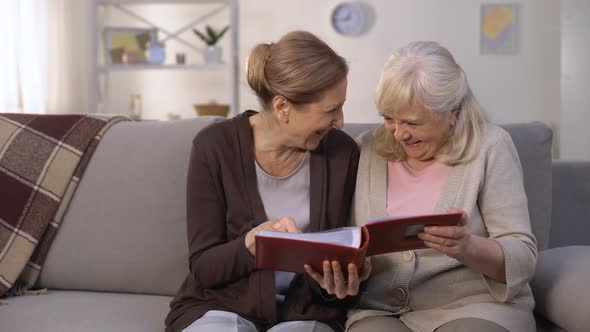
{"type": "Point", "coordinates": [101, 70]}
{"type": "Point", "coordinates": [116, 67]}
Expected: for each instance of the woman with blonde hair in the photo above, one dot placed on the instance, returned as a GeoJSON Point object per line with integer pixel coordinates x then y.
{"type": "Point", "coordinates": [436, 152]}
{"type": "Point", "coordinates": [286, 168]}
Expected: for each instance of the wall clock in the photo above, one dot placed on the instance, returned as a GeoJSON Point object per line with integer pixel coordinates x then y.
{"type": "Point", "coordinates": [348, 18]}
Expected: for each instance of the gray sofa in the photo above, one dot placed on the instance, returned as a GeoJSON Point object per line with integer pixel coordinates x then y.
{"type": "Point", "coordinates": [121, 251]}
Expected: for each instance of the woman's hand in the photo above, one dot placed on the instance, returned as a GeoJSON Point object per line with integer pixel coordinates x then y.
{"type": "Point", "coordinates": [454, 241]}
{"type": "Point", "coordinates": [284, 224]}
{"type": "Point", "coordinates": [481, 254]}
{"type": "Point", "coordinates": [333, 280]}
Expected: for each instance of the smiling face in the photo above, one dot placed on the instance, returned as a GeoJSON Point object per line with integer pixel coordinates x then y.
{"type": "Point", "coordinates": [421, 133]}
{"type": "Point", "coordinates": [305, 125]}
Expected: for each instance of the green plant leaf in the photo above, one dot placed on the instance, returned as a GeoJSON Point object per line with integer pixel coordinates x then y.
{"type": "Point", "coordinates": [211, 33]}
{"type": "Point", "coordinates": [222, 32]}
{"type": "Point", "coordinates": [211, 36]}
{"type": "Point", "coordinates": [201, 35]}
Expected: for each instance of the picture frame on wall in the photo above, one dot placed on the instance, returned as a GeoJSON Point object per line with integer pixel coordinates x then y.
{"type": "Point", "coordinates": [128, 46]}
{"type": "Point", "coordinates": [500, 29]}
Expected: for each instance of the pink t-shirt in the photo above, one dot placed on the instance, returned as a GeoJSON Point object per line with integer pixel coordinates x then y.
{"type": "Point", "coordinates": [411, 192]}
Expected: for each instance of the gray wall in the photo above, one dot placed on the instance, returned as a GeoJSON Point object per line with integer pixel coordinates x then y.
{"type": "Point", "coordinates": [575, 80]}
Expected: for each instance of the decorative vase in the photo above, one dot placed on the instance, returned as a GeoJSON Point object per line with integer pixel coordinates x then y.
{"type": "Point", "coordinates": [156, 53]}
{"type": "Point", "coordinates": [135, 107]}
{"type": "Point", "coordinates": [213, 54]}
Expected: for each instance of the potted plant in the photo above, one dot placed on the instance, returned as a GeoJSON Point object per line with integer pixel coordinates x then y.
{"type": "Point", "coordinates": [211, 37]}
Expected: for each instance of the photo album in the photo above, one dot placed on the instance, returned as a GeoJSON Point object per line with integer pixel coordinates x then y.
{"type": "Point", "coordinates": [283, 251]}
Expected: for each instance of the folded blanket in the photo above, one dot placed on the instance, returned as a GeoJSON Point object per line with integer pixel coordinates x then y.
{"type": "Point", "coordinates": [42, 158]}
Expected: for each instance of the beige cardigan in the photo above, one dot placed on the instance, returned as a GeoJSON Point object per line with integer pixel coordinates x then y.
{"type": "Point", "coordinates": [426, 288]}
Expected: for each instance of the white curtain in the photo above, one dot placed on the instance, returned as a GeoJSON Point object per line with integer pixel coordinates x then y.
{"type": "Point", "coordinates": [44, 64]}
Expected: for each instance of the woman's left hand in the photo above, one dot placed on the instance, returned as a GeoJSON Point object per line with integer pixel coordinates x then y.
{"type": "Point", "coordinates": [481, 254]}
{"type": "Point", "coordinates": [454, 241]}
{"type": "Point", "coordinates": [334, 282]}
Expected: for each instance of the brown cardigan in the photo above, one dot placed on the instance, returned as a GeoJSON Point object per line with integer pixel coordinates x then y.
{"type": "Point", "coordinates": [223, 204]}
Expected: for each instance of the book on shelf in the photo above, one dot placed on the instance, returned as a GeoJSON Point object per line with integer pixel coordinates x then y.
{"type": "Point", "coordinates": [283, 251]}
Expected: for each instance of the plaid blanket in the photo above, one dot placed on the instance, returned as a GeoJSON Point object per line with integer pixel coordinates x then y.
{"type": "Point", "coordinates": [42, 158]}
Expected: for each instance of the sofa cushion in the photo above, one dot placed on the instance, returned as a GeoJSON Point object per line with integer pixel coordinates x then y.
{"type": "Point", "coordinates": [533, 142]}
{"type": "Point", "coordinates": [84, 312]}
{"type": "Point", "coordinates": [560, 287]}
{"type": "Point", "coordinates": [125, 230]}
{"type": "Point", "coordinates": [570, 215]}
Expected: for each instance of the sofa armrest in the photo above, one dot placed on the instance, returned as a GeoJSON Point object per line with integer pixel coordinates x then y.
{"type": "Point", "coordinates": [570, 219]}
{"type": "Point", "coordinates": [560, 287]}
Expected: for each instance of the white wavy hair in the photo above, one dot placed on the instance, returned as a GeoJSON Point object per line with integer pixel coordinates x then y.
{"type": "Point", "coordinates": [424, 74]}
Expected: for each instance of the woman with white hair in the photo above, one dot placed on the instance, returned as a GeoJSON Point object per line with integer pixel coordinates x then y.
{"type": "Point", "coordinates": [436, 152]}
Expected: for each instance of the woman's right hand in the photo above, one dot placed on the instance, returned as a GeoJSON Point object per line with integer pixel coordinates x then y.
{"type": "Point", "coordinates": [283, 224]}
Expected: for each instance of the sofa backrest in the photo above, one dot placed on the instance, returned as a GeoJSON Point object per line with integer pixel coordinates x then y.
{"type": "Point", "coordinates": [533, 142]}
{"type": "Point", "coordinates": [125, 229]}
{"type": "Point", "coordinates": [570, 208]}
